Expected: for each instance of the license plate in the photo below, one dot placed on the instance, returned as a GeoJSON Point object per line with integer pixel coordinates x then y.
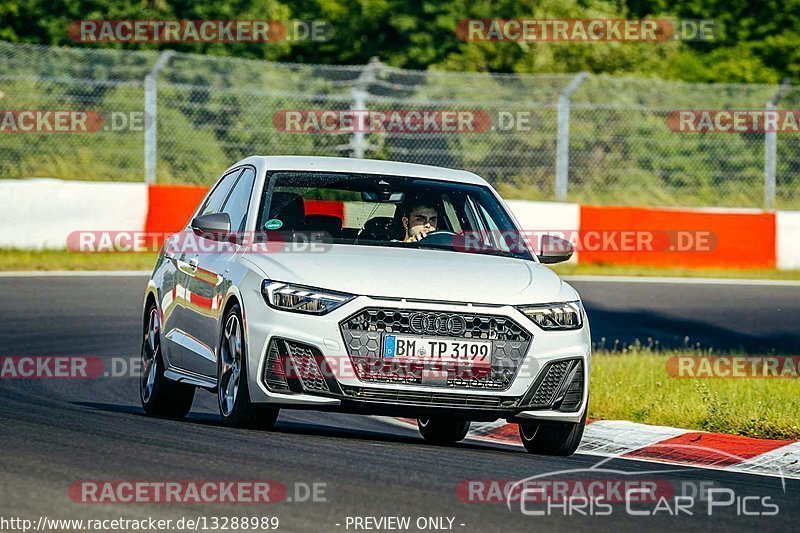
{"type": "Point", "coordinates": [412, 348]}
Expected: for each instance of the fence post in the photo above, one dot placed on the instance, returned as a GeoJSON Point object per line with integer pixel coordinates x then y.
{"type": "Point", "coordinates": [150, 112]}
{"type": "Point", "coordinates": [562, 137]}
{"type": "Point", "coordinates": [770, 156]}
{"type": "Point", "coordinates": [771, 152]}
{"type": "Point", "coordinates": [358, 142]}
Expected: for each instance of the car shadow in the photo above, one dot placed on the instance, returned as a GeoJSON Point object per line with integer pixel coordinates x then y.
{"type": "Point", "coordinates": [291, 427]}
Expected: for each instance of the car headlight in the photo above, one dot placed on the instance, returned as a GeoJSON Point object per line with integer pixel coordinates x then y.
{"type": "Point", "coordinates": [301, 299]}
{"type": "Point", "coordinates": [561, 316]}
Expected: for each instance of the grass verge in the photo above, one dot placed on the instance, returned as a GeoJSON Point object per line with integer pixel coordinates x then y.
{"type": "Point", "coordinates": [634, 385]}
{"type": "Point", "coordinates": [67, 260]}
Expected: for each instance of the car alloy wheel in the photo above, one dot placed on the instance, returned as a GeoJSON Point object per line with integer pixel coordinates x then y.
{"type": "Point", "coordinates": [230, 355]}
{"type": "Point", "coordinates": [159, 395]}
{"type": "Point", "coordinates": [233, 392]}
{"type": "Point", "coordinates": [149, 355]}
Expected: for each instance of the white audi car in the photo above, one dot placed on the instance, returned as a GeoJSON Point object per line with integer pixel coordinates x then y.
{"type": "Point", "coordinates": [367, 287]}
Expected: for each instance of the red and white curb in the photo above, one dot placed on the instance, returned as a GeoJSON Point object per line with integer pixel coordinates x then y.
{"type": "Point", "coordinates": [661, 444]}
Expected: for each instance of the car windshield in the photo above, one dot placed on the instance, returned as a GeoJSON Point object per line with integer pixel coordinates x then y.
{"type": "Point", "coordinates": [396, 211]}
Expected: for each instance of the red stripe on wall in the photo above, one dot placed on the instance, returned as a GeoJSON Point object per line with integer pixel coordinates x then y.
{"type": "Point", "coordinates": [170, 206]}
{"type": "Point", "coordinates": [738, 240]}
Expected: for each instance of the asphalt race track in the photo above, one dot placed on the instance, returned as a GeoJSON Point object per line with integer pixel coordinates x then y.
{"type": "Point", "coordinates": [757, 319]}
{"type": "Point", "coordinates": [56, 432]}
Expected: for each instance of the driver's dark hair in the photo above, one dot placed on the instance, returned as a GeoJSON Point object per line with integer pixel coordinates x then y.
{"type": "Point", "coordinates": [414, 201]}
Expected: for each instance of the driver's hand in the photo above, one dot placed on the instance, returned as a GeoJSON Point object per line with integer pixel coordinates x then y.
{"type": "Point", "coordinates": [419, 236]}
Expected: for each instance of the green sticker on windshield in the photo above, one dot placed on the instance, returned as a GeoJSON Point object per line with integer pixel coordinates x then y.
{"type": "Point", "coordinates": [273, 223]}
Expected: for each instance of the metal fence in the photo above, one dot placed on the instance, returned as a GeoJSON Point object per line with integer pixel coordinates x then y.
{"type": "Point", "coordinates": [587, 138]}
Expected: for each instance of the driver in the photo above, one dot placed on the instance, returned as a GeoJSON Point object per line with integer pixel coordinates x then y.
{"type": "Point", "coordinates": [420, 218]}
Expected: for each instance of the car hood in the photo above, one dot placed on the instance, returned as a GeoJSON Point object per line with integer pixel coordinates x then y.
{"type": "Point", "coordinates": [411, 273]}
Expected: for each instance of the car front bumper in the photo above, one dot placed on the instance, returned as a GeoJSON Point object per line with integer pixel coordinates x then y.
{"type": "Point", "coordinates": [345, 390]}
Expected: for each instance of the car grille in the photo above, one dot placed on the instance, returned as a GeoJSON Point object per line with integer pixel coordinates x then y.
{"type": "Point", "coordinates": [436, 399]}
{"type": "Point", "coordinates": [363, 335]}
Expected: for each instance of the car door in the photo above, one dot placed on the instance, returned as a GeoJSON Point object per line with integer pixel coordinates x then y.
{"type": "Point", "coordinates": [184, 254]}
{"type": "Point", "coordinates": [210, 282]}
{"type": "Point", "coordinates": [170, 281]}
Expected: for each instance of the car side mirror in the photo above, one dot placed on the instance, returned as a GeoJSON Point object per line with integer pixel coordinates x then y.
{"type": "Point", "coordinates": [554, 249]}
{"type": "Point", "coordinates": [214, 226]}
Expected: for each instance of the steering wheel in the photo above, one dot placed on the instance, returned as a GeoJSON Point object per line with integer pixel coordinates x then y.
{"type": "Point", "coordinates": [439, 237]}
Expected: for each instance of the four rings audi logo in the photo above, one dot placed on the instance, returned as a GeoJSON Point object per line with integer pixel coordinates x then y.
{"type": "Point", "coordinates": [437, 324]}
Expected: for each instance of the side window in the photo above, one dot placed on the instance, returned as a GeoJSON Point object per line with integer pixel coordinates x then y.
{"type": "Point", "coordinates": [495, 234]}
{"type": "Point", "coordinates": [239, 199]}
{"type": "Point", "coordinates": [476, 221]}
{"type": "Point", "coordinates": [217, 198]}
{"type": "Point", "coordinates": [450, 213]}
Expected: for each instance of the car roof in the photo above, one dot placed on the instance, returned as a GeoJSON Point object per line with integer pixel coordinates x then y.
{"type": "Point", "coordinates": [364, 166]}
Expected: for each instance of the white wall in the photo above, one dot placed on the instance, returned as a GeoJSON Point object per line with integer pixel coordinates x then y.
{"type": "Point", "coordinates": [41, 213]}
{"type": "Point", "coordinates": [787, 239]}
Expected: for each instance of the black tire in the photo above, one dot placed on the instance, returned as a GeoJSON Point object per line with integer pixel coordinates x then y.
{"type": "Point", "coordinates": [443, 430]}
{"type": "Point", "coordinates": [552, 438]}
{"type": "Point", "coordinates": [243, 414]}
{"type": "Point", "coordinates": [159, 395]}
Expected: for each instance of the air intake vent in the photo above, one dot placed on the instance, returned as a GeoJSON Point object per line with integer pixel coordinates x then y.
{"type": "Point", "coordinates": [546, 392]}
{"type": "Point", "coordinates": [574, 391]}
{"type": "Point", "coordinates": [558, 384]}
{"type": "Point", "coordinates": [305, 367]}
{"type": "Point", "coordinates": [274, 369]}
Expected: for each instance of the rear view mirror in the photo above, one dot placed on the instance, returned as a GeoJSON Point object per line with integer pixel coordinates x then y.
{"type": "Point", "coordinates": [383, 196]}
{"type": "Point", "coordinates": [554, 249]}
{"type": "Point", "coordinates": [215, 226]}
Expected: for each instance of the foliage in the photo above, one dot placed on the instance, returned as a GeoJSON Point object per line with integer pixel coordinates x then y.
{"type": "Point", "coordinates": [759, 42]}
